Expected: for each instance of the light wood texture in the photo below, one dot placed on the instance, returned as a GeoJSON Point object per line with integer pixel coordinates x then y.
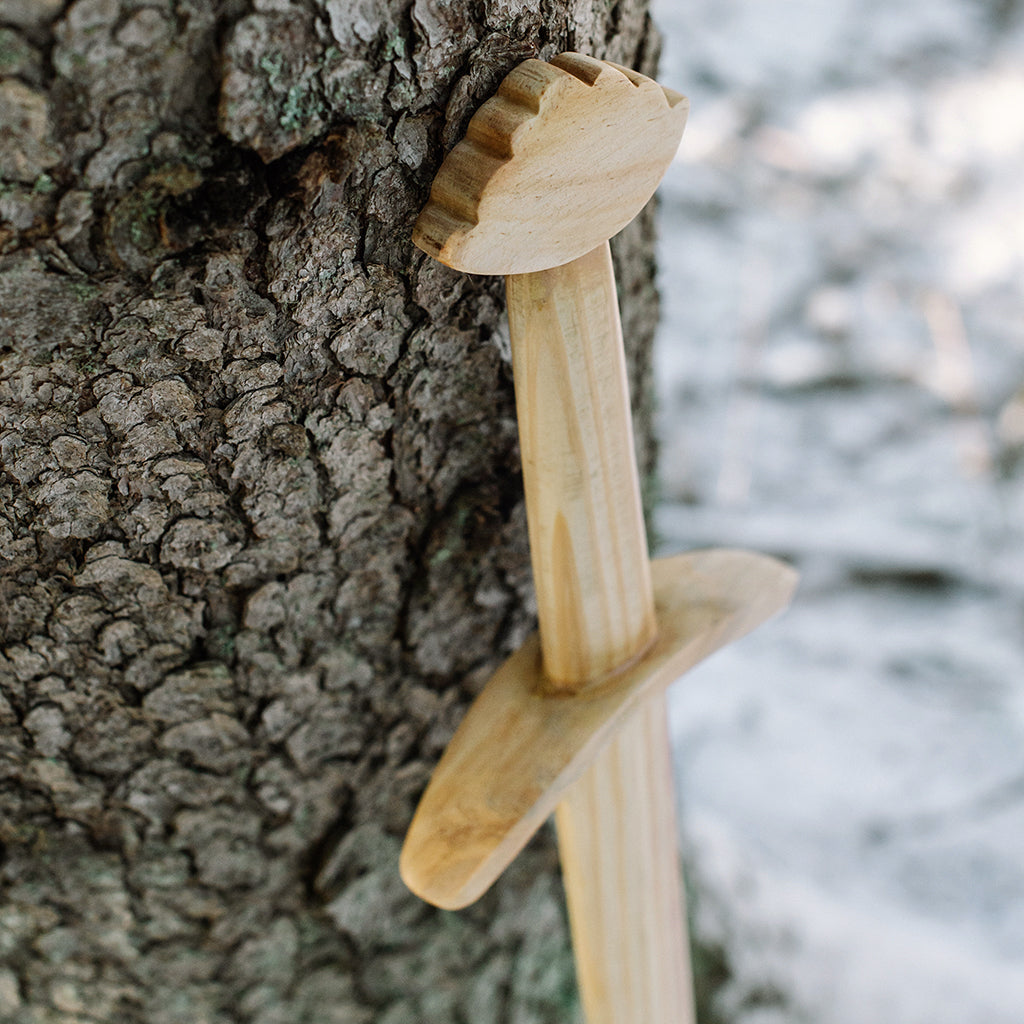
{"type": "Point", "coordinates": [591, 568]}
{"type": "Point", "coordinates": [562, 158]}
{"type": "Point", "coordinates": [619, 847]}
{"type": "Point", "coordinates": [520, 745]}
{"type": "Point", "coordinates": [559, 160]}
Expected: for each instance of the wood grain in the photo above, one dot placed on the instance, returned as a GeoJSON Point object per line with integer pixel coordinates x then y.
{"type": "Point", "coordinates": [591, 568]}
{"type": "Point", "coordinates": [562, 158]}
{"type": "Point", "coordinates": [620, 860]}
{"type": "Point", "coordinates": [521, 746]}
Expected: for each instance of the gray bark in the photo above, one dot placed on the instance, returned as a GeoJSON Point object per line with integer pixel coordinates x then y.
{"type": "Point", "coordinates": [261, 523]}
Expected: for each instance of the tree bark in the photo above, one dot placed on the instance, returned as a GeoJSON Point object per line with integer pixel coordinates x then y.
{"type": "Point", "coordinates": [261, 524]}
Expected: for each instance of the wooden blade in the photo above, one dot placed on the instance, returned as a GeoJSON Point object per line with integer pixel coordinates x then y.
{"type": "Point", "coordinates": [619, 847]}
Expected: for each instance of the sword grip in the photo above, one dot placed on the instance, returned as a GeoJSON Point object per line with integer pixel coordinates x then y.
{"type": "Point", "coordinates": [587, 540]}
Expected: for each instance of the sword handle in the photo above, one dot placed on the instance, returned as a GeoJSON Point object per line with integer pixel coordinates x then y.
{"type": "Point", "coordinates": [587, 541]}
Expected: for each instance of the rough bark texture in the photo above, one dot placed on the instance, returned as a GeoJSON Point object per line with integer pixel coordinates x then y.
{"type": "Point", "coordinates": [261, 529]}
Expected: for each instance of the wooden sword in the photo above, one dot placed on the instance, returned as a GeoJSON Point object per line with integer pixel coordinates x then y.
{"type": "Point", "coordinates": [557, 162]}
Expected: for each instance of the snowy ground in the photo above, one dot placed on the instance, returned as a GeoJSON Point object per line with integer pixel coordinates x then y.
{"type": "Point", "coordinates": [840, 373]}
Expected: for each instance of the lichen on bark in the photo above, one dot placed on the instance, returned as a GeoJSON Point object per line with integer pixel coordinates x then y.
{"type": "Point", "coordinates": [261, 525]}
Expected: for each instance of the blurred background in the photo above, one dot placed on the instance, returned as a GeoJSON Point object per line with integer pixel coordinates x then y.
{"type": "Point", "coordinates": [841, 383]}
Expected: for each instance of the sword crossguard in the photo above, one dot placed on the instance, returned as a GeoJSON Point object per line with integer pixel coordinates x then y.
{"type": "Point", "coordinates": [521, 746]}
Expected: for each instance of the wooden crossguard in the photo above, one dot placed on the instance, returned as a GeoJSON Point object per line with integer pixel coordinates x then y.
{"type": "Point", "coordinates": [561, 159]}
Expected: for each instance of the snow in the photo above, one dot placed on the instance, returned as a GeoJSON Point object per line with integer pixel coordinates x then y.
{"type": "Point", "coordinates": [841, 379]}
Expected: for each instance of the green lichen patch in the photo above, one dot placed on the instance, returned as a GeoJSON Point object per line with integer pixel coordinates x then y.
{"type": "Point", "coordinates": [272, 97]}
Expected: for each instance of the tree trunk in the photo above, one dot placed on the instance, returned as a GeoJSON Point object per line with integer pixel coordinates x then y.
{"type": "Point", "coordinates": [261, 526]}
